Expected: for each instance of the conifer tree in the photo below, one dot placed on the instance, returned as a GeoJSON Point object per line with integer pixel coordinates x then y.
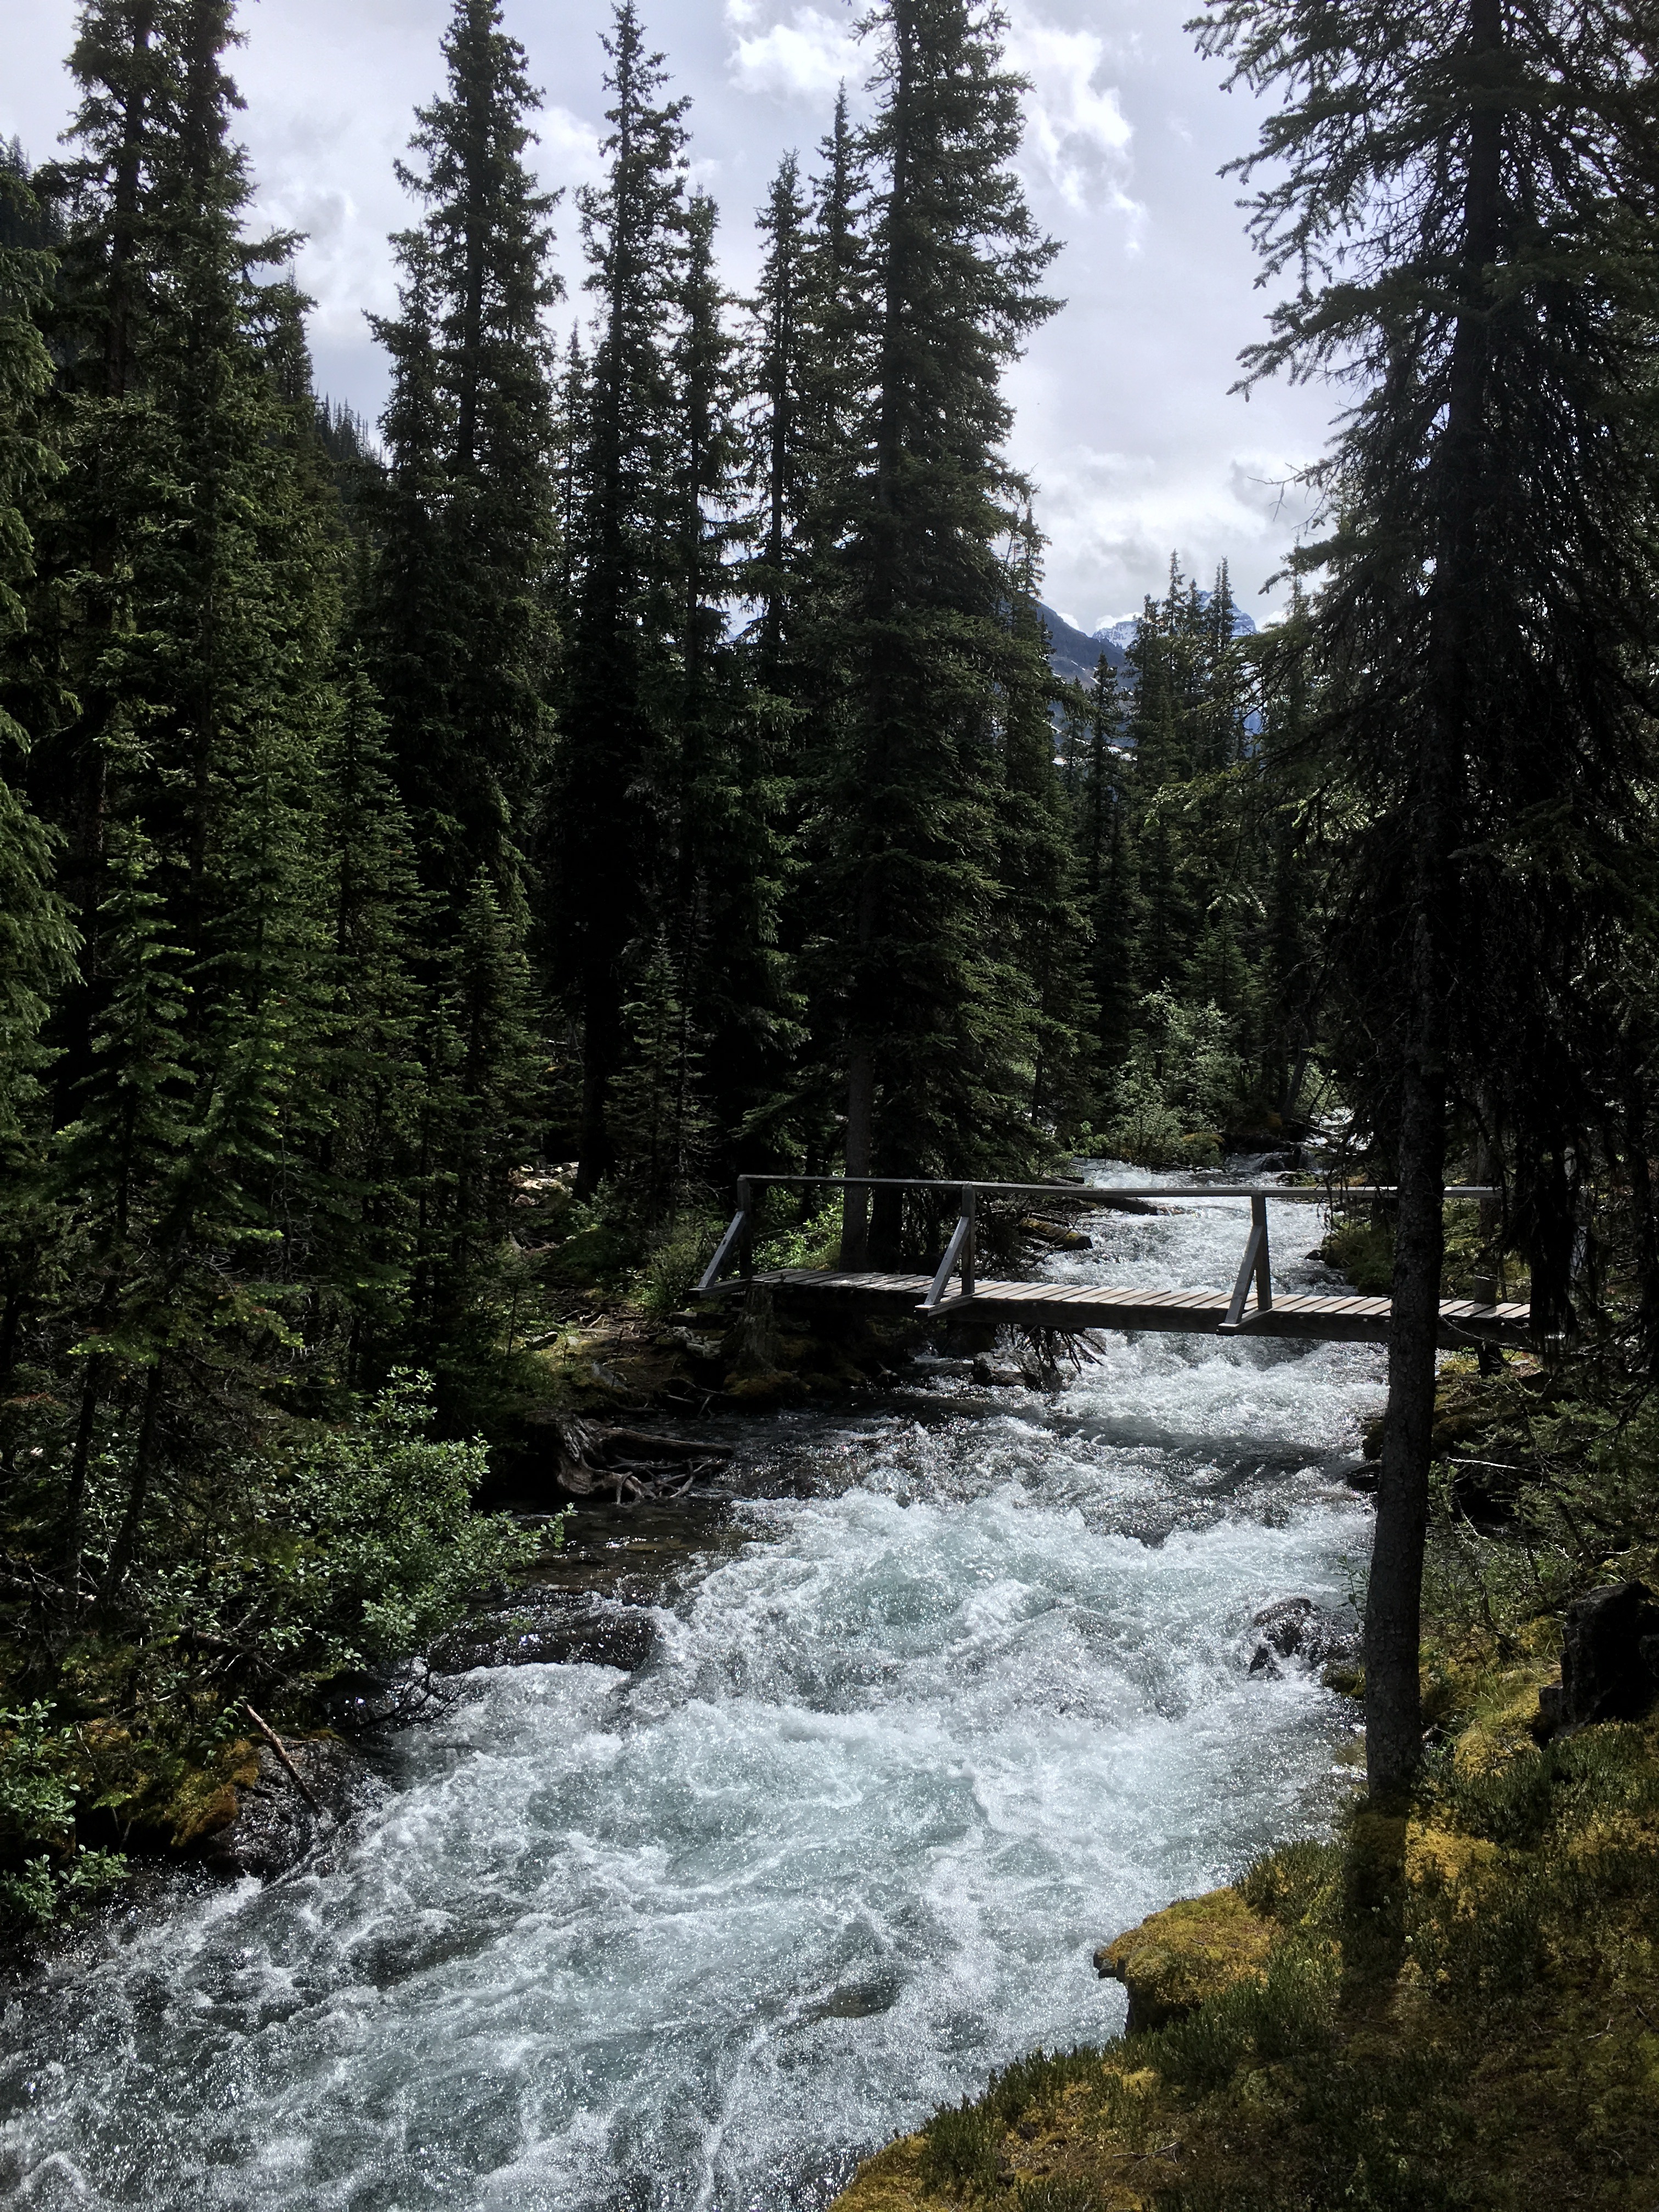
{"type": "Point", "coordinates": [478, 1115]}
{"type": "Point", "coordinates": [779, 310]}
{"type": "Point", "coordinates": [461, 621]}
{"type": "Point", "coordinates": [620, 680]}
{"type": "Point", "coordinates": [373, 1045]}
{"type": "Point", "coordinates": [1483, 176]}
{"type": "Point", "coordinates": [187, 589]}
{"type": "Point", "coordinates": [459, 636]}
{"type": "Point", "coordinates": [838, 333]}
{"type": "Point", "coordinates": [1107, 886]}
{"type": "Point", "coordinates": [727, 862]}
{"type": "Point", "coordinates": [1044, 931]}
{"type": "Point", "coordinates": [111, 196]}
{"type": "Point", "coordinates": [957, 265]}
{"type": "Point", "coordinates": [37, 942]}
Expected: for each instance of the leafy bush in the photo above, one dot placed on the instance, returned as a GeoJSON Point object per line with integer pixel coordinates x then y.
{"type": "Point", "coordinates": [44, 1873]}
{"type": "Point", "coordinates": [356, 1546]}
{"type": "Point", "coordinates": [1183, 1083]}
{"type": "Point", "coordinates": [674, 1265]}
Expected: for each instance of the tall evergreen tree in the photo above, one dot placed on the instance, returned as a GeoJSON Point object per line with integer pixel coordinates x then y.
{"type": "Point", "coordinates": [37, 942]}
{"type": "Point", "coordinates": [187, 588]}
{"type": "Point", "coordinates": [727, 862]}
{"type": "Point", "coordinates": [1045, 929]}
{"type": "Point", "coordinates": [460, 627]}
{"type": "Point", "coordinates": [460, 639]}
{"type": "Point", "coordinates": [957, 267]}
{"type": "Point", "coordinates": [1484, 174]}
{"type": "Point", "coordinates": [620, 672]}
{"type": "Point", "coordinates": [1099, 769]}
{"type": "Point", "coordinates": [779, 311]}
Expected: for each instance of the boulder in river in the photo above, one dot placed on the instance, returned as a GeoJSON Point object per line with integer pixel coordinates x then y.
{"type": "Point", "coordinates": [1297, 1628]}
{"type": "Point", "coordinates": [288, 1805]}
{"type": "Point", "coordinates": [1609, 1661]}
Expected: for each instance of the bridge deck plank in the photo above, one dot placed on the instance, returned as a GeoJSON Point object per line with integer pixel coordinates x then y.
{"type": "Point", "coordinates": [1080, 1305]}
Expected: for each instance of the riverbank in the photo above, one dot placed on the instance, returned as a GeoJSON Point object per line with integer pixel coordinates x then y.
{"type": "Point", "coordinates": [1451, 2008]}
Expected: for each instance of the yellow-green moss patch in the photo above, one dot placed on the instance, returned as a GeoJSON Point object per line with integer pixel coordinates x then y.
{"type": "Point", "coordinates": [1191, 1950]}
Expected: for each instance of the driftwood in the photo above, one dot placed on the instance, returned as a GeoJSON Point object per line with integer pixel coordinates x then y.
{"type": "Point", "coordinates": [634, 1464]}
{"type": "Point", "coordinates": [276, 1745]}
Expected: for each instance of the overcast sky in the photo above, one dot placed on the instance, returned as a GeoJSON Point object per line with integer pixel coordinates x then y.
{"type": "Point", "coordinates": [1123, 414]}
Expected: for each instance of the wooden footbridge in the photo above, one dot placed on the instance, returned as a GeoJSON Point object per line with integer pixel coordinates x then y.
{"type": "Point", "coordinates": [1251, 1307]}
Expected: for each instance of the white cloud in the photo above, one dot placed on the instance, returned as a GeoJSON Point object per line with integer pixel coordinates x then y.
{"type": "Point", "coordinates": [1076, 131]}
{"type": "Point", "coordinates": [803, 58]}
{"type": "Point", "coordinates": [569, 152]}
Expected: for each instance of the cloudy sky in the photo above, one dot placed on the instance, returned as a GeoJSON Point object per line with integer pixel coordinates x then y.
{"type": "Point", "coordinates": [1123, 414]}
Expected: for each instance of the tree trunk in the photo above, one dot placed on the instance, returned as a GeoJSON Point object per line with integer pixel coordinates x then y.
{"type": "Point", "coordinates": [860, 1127]}
{"type": "Point", "coordinates": [125, 1547]}
{"type": "Point", "coordinates": [1394, 1716]}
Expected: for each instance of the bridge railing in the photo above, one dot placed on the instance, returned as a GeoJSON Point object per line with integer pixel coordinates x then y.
{"type": "Point", "coordinates": [736, 1247]}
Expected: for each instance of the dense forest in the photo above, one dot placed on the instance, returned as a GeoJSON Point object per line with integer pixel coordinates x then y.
{"type": "Point", "coordinates": [639, 752]}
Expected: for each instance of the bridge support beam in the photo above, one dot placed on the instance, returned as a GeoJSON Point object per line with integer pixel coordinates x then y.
{"type": "Point", "coordinates": [1257, 1262]}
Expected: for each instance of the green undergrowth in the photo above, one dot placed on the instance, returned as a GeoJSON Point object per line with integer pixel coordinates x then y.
{"type": "Point", "coordinates": [1453, 2006]}
{"type": "Point", "coordinates": [1362, 1247]}
{"type": "Point", "coordinates": [332, 1551]}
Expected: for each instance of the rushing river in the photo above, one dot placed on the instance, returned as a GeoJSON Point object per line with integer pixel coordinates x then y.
{"type": "Point", "coordinates": [967, 1698]}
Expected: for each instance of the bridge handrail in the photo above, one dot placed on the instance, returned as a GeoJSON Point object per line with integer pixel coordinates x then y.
{"type": "Point", "coordinates": [739, 1242]}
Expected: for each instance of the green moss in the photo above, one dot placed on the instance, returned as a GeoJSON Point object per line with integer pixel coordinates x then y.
{"type": "Point", "coordinates": [1191, 1951]}
{"type": "Point", "coordinates": [204, 1798]}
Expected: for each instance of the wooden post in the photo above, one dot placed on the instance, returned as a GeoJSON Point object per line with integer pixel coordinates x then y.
{"type": "Point", "coordinates": [1264, 1280]}
{"type": "Point", "coordinates": [746, 1234]}
{"type": "Point", "coordinates": [959, 1252]}
{"type": "Point", "coordinates": [1255, 1264]}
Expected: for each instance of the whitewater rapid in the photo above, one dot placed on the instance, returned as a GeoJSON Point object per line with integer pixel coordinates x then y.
{"type": "Point", "coordinates": [920, 1734]}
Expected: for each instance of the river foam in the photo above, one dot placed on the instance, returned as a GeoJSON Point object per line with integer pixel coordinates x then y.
{"type": "Point", "coordinates": [973, 1700]}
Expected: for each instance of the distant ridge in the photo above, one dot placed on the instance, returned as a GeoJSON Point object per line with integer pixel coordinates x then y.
{"type": "Point", "coordinates": [1072, 653]}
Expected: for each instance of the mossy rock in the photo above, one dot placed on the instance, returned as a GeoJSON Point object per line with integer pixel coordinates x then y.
{"type": "Point", "coordinates": [772, 1389]}
{"type": "Point", "coordinates": [205, 1799]}
{"type": "Point", "coordinates": [1193, 1950]}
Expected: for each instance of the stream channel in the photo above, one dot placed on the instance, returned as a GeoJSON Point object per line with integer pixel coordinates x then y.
{"type": "Point", "coordinates": [956, 1688]}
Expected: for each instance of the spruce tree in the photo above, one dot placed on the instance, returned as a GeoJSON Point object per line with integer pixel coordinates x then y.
{"type": "Point", "coordinates": [460, 629]}
{"type": "Point", "coordinates": [459, 637]}
{"type": "Point", "coordinates": [728, 860]}
{"type": "Point", "coordinates": [779, 310]}
{"type": "Point", "coordinates": [479, 1115]}
{"type": "Point", "coordinates": [1108, 887]}
{"type": "Point", "coordinates": [1484, 175]}
{"type": "Point", "coordinates": [373, 1047]}
{"type": "Point", "coordinates": [620, 675]}
{"type": "Point", "coordinates": [188, 589]}
{"type": "Point", "coordinates": [1044, 929]}
{"type": "Point", "coordinates": [37, 942]}
{"type": "Point", "coordinates": [957, 264]}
